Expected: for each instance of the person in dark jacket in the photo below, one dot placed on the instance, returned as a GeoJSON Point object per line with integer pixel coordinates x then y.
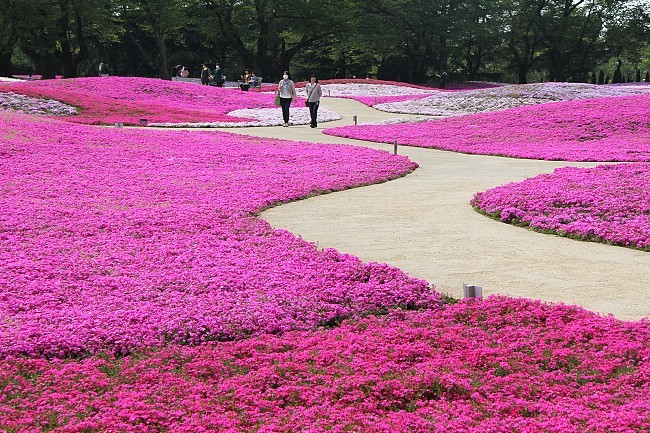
{"type": "Point", "coordinates": [217, 77]}
{"type": "Point", "coordinates": [103, 69]}
{"type": "Point", "coordinates": [205, 75]}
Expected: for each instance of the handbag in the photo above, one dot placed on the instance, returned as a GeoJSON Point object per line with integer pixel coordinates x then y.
{"type": "Point", "coordinates": [276, 101]}
{"type": "Point", "coordinates": [309, 96]}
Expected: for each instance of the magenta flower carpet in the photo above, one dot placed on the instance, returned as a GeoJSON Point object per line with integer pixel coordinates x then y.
{"type": "Point", "coordinates": [605, 129]}
{"type": "Point", "coordinates": [122, 239]}
{"type": "Point", "coordinates": [140, 291]}
{"type": "Point", "coordinates": [608, 203]}
{"type": "Point", "coordinates": [106, 100]}
{"type": "Point", "coordinates": [500, 365]}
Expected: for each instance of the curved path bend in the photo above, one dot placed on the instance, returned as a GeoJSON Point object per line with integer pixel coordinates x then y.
{"type": "Point", "coordinates": [424, 225]}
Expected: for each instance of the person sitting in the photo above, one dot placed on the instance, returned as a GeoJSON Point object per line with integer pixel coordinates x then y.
{"type": "Point", "coordinates": [246, 81]}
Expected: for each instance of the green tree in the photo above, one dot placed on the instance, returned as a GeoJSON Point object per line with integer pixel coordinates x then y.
{"type": "Point", "coordinates": [150, 25]}
{"type": "Point", "coordinates": [268, 34]}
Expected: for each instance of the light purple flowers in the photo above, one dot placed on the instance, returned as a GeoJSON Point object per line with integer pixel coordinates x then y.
{"type": "Point", "coordinates": [29, 105]}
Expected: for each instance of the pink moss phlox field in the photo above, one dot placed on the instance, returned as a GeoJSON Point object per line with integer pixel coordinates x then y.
{"type": "Point", "coordinates": [604, 129]}
{"type": "Point", "coordinates": [608, 203]}
{"type": "Point", "coordinates": [106, 100]}
{"type": "Point", "coordinates": [366, 81]}
{"type": "Point", "coordinates": [498, 365]}
{"type": "Point", "coordinates": [114, 239]}
{"type": "Point", "coordinates": [470, 85]}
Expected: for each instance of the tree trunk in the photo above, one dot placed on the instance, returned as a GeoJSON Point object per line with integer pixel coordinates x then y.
{"type": "Point", "coordinates": [522, 72]}
{"type": "Point", "coordinates": [63, 34]}
{"type": "Point", "coordinates": [47, 65]}
{"type": "Point", "coordinates": [165, 73]}
{"type": "Point", "coordinates": [5, 62]}
{"type": "Point", "coordinates": [443, 54]}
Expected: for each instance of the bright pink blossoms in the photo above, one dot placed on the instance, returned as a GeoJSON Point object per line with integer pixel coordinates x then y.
{"type": "Point", "coordinates": [106, 100]}
{"type": "Point", "coordinates": [500, 365]}
{"type": "Point", "coordinates": [114, 239]}
{"type": "Point", "coordinates": [604, 129]}
{"type": "Point", "coordinates": [608, 203]}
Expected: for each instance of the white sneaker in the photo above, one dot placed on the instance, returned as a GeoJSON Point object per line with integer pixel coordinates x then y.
{"type": "Point", "coordinates": [285, 125]}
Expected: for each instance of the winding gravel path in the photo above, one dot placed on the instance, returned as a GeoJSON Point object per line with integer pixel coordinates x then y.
{"type": "Point", "coordinates": [423, 224]}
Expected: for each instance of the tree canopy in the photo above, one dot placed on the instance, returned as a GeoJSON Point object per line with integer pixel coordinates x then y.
{"type": "Point", "coordinates": [407, 40]}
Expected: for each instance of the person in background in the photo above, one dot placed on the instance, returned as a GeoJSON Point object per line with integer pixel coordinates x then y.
{"type": "Point", "coordinates": [185, 72]}
{"type": "Point", "coordinates": [103, 69]}
{"type": "Point", "coordinates": [443, 79]}
{"type": "Point", "coordinates": [287, 90]}
{"type": "Point", "coordinates": [246, 80]}
{"type": "Point", "coordinates": [205, 75]}
{"type": "Point", "coordinates": [218, 76]}
{"type": "Point", "coordinates": [314, 93]}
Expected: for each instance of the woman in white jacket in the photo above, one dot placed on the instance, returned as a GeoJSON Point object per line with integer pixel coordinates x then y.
{"type": "Point", "coordinates": [314, 93]}
{"type": "Point", "coordinates": [287, 91]}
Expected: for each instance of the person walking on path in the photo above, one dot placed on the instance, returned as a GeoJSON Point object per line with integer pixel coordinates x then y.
{"type": "Point", "coordinates": [287, 91]}
{"type": "Point", "coordinates": [205, 75]}
{"type": "Point", "coordinates": [218, 76]}
{"type": "Point", "coordinates": [314, 93]}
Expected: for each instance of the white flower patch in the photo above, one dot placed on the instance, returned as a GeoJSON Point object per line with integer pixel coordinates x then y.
{"type": "Point", "coordinates": [397, 121]}
{"type": "Point", "coordinates": [29, 105]}
{"type": "Point", "coordinates": [263, 116]}
{"type": "Point", "coordinates": [501, 98]}
{"type": "Point", "coordinates": [359, 89]}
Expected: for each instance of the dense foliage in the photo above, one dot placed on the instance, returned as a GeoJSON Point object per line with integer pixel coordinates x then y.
{"type": "Point", "coordinates": [407, 40]}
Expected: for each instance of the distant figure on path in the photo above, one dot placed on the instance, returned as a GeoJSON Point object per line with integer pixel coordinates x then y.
{"type": "Point", "coordinates": [314, 93]}
{"type": "Point", "coordinates": [287, 91]}
{"type": "Point", "coordinates": [185, 72]}
{"type": "Point", "coordinates": [103, 69]}
{"type": "Point", "coordinates": [218, 76]}
{"type": "Point", "coordinates": [205, 75]}
{"type": "Point", "coordinates": [443, 79]}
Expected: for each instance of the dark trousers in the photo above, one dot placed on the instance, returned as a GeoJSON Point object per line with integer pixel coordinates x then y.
{"type": "Point", "coordinates": [285, 103]}
{"type": "Point", "coordinates": [313, 112]}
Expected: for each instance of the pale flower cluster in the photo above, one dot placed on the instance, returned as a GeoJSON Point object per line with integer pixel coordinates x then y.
{"type": "Point", "coordinates": [262, 116]}
{"type": "Point", "coordinates": [505, 97]}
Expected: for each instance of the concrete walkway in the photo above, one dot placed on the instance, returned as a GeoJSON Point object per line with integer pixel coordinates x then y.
{"type": "Point", "coordinates": [424, 225]}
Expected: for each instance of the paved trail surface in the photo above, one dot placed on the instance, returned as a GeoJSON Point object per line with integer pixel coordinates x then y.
{"type": "Point", "coordinates": [423, 224]}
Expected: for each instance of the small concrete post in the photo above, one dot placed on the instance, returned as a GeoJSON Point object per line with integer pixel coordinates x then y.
{"type": "Point", "coordinates": [119, 124]}
{"type": "Point", "coordinates": [395, 148]}
{"type": "Point", "coordinates": [472, 291]}
{"type": "Point", "coordinates": [355, 119]}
